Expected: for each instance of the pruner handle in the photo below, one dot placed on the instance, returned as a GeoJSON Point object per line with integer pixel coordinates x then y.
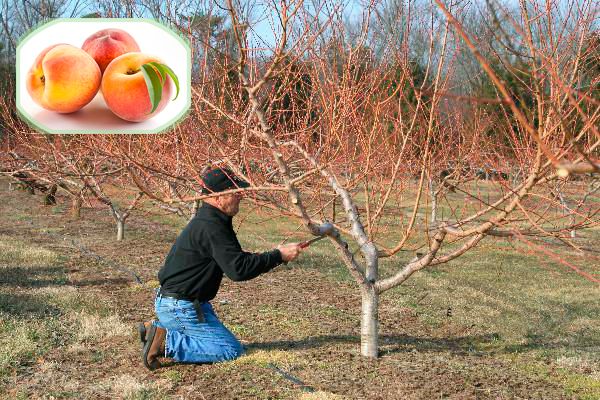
{"type": "Point", "coordinates": [307, 243]}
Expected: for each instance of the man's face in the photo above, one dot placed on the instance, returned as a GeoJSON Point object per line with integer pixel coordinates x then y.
{"type": "Point", "coordinates": [230, 203]}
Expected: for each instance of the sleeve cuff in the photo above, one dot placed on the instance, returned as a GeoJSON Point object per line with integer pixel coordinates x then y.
{"type": "Point", "coordinates": [275, 259]}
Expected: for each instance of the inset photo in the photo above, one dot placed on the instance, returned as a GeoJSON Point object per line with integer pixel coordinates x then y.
{"type": "Point", "coordinates": [103, 76]}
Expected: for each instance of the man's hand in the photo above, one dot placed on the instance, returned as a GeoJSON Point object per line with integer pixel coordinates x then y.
{"type": "Point", "coordinates": [289, 251]}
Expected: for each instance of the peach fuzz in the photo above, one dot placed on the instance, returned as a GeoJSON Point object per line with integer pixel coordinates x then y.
{"type": "Point", "coordinates": [63, 78]}
{"type": "Point", "coordinates": [108, 44]}
{"type": "Point", "coordinates": [125, 91]}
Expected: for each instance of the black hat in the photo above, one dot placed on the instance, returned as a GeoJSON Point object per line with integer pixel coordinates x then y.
{"type": "Point", "coordinates": [221, 179]}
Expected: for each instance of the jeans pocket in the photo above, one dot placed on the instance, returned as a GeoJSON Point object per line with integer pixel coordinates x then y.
{"type": "Point", "coordinates": [168, 313]}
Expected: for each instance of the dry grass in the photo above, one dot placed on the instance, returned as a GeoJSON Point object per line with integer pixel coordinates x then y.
{"type": "Point", "coordinates": [40, 312]}
{"type": "Point", "coordinates": [17, 253]}
{"type": "Point", "coordinates": [320, 395]}
{"type": "Point", "coordinates": [94, 328]}
{"type": "Point", "coordinates": [127, 387]}
{"type": "Point", "coordinates": [264, 358]}
{"type": "Point", "coordinates": [17, 344]}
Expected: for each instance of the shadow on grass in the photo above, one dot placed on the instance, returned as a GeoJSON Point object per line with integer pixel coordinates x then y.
{"type": "Point", "coordinates": [584, 341]}
{"type": "Point", "coordinates": [38, 277]}
{"type": "Point", "coordinates": [388, 343]}
{"type": "Point", "coordinates": [112, 282]}
{"type": "Point", "coordinates": [31, 277]}
{"type": "Point", "coordinates": [476, 345]}
{"type": "Point", "coordinates": [26, 306]}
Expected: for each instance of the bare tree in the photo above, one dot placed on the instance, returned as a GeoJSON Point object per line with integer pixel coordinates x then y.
{"type": "Point", "coordinates": [353, 155]}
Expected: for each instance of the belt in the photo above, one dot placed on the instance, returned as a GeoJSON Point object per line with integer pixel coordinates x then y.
{"type": "Point", "coordinates": [197, 304]}
{"type": "Point", "coordinates": [175, 295]}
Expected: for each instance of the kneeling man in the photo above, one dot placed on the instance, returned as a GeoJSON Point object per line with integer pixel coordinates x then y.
{"type": "Point", "coordinates": [188, 330]}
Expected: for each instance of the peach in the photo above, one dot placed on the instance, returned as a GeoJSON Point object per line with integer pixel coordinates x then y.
{"type": "Point", "coordinates": [63, 78]}
{"type": "Point", "coordinates": [125, 91]}
{"type": "Point", "coordinates": [108, 44]}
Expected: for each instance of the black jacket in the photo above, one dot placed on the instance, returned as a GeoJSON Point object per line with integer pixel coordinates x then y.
{"type": "Point", "coordinates": [205, 249]}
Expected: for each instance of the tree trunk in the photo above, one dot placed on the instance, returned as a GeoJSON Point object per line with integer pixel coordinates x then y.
{"type": "Point", "coordinates": [369, 327]}
{"type": "Point", "coordinates": [50, 196]}
{"type": "Point", "coordinates": [433, 196]}
{"type": "Point", "coordinates": [120, 230]}
{"type": "Point", "coordinates": [76, 207]}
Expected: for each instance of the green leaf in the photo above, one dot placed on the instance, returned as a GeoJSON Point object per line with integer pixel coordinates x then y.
{"type": "Point", "coordinates": [158, 67]}
{"type": "Point", "coordinates": [164, 69]}
{"type": "Point", "coordinates": [153, 84]}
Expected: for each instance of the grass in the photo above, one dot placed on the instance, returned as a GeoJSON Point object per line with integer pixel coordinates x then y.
{"type": "Point", "coordinates": [129, 387]}
{"type": "Point", "coordinates": [582, 386]}
{"type": "Point", "coordinates": [21, 341]}
{"type": "Point", "coordinates": [19, 254]}
{"type": "Point", "coordinates": [527, 308]}
{"type": "Point", "coordinates": [263, 358]}
{"type": "Point", "coordinates": [496, 308]}
{"type": "Point", "coordinates": [40, 312]}
{"type": "Point", "coordinates": [320, 395]}
{"type": "Point", "coordinates": [95, 328]}
{"type": "Point", "coordinates": [536, 315]}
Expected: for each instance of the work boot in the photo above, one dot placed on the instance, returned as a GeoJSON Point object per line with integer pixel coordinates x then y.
{"type": "Point", "coordinates": [143, 328]}
{"type": "Point", "coordinates": [154, 347]}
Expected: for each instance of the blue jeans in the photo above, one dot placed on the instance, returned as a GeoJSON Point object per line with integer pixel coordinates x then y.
{"type": "Point", "coordinates": [190, 341]}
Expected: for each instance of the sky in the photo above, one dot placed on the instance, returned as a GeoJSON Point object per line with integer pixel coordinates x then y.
{"type": "Point", "coordinates": [265, 18]}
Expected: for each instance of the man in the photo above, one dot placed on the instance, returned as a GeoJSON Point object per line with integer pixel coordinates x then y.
{"type": "Point", "coordinates": [188, 329]}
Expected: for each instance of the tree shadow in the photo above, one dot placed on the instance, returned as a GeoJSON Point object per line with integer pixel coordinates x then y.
{"type": "Point", "coordinates": [32, 277]}
{"type": "Point", "coordinates": [389, 344]}
{"type": "Point", "coordinates": [37, 277]}
{"type": "Point", "coordinates": [26, 306]}
{"type": "Point", "coordinates": [473, 345]}
{"type": "Point", "coordinates": [581, 341]}
{"type": "Point", "coordinates": [112, 282]}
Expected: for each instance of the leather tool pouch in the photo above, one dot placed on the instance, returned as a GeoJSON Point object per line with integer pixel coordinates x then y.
{"type": "Point", "coordinates": [198, 308]}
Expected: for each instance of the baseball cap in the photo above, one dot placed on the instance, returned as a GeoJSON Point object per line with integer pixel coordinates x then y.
{"type": "Point", "coordinates": [220, 180]}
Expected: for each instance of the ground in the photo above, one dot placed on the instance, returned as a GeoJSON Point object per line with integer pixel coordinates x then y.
{"type": "Point", "coordinates": [500, 323]}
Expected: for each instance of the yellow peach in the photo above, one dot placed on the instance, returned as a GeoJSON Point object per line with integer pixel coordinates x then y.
{"type": "Point", "coordinates": [63, 78]}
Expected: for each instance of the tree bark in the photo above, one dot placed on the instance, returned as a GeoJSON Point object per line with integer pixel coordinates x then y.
{"type": "Point", "coordinates": [120, 229]}
{"type": "Point", "coordinates": [76, 207]}
{"type": "Point", "coordinates": [50, 196]}
{"type": "Point", "coordinates": [433, 196]}
{"type": "Point", "coordinates": [369, 327]}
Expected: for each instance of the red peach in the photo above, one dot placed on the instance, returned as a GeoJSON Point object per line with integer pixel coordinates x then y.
{"type": "Point", "coordinates": [108, 44]}
{"type": "Point", "coordinates": [125, 91]}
